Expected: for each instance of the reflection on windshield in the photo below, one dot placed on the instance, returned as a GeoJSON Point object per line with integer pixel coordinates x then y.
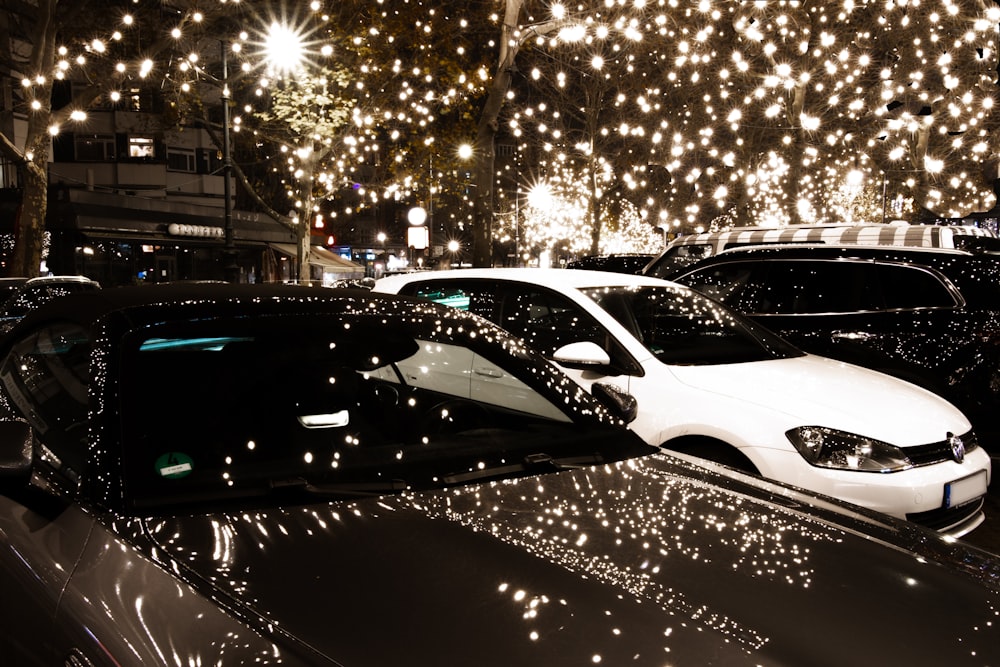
{"type": "Point", "coordinates": [681, 327]}
{"type": "Point", "coordinates": [219, 413]}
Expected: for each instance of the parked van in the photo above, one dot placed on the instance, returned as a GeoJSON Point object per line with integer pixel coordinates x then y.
{"type": "Point", "coordinates": [687, 250]}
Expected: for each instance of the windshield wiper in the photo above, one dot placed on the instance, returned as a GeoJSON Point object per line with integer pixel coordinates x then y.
{"type": "Point", "coordinates": [339, 489]}
{"type": "Point", "coordinates": [531, 463]}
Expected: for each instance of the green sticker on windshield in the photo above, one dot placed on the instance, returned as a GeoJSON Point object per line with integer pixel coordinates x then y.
{"type": "Point", "coordinates": [174, 465]}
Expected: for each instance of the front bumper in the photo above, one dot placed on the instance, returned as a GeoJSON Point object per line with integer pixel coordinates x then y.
{"type": "Point", "coordinates": [945, 496]}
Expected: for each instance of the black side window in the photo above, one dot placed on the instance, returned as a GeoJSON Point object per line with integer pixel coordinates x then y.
{"type": "Point", "coordinates": [677, 258]}
{"type": "Point", "coordinates": [822, 287]}
{"type": "Point", "coordinates": [793, 287]}
{"type": "Point", "coordinates": [804, 287]}
{"type": "Point", "coordinates": [741, 285]}
{"type": "Point", "coordinates": [907, 287]}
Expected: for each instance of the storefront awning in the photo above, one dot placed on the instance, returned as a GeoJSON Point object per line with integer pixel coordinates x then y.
{"type": "Point", "coordinates": [331, 262]}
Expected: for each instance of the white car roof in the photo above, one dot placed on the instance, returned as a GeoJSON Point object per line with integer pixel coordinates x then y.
{"type": "Point", "coordinates": [556, 278]}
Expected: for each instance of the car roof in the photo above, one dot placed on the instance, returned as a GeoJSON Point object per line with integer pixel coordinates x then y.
{"type": "Point", "coordinates": [42, 280]}
{"type": "Point", "coordinates": [954, 263]}
{"type": "Point", "coordinates": [808, 250]}
{"type": "Point", "coordinates": [558, 278]}
{"type": "Point", "coordinates": [145, 303]}
{"type": "Point", "coordinates": [614, 255]}
{"type": "Point", "coordinates": [919, 235]}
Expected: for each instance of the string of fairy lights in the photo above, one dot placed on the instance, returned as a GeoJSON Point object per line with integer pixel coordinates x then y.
{"type": "Point", "coordinates": [763, 112]}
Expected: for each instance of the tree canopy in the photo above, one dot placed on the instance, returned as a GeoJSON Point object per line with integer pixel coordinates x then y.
{"type": "Point", "coordinates": [778, 111]}
{"type": "Point", "coordinates": [684, 114]}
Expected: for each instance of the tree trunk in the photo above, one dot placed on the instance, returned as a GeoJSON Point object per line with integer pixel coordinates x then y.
{"type": "Point", "coordinates": [511, 39]}
{"type": "Point", "coordinates": [303, 234]}
{"type": "Point", "coordinates": [595, 102]}
{"type": "Point", "coordinates": [304, 246]}
{"type": "Point", "coordinates": [594, 205]}
{"type": "Point", "coordinates": [796, 152]}
{"type": "Point", "coordinates": [485, 154]}
{"type": "Point", "coordinates": [30, 230]}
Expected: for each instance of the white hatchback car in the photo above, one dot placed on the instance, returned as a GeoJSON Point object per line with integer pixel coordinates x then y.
{"type": "Point", "coordinates": [712, 384]}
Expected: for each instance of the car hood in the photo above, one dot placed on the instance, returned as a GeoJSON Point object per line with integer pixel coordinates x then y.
{"type": "Point", "coordinates": [816, 391]}
{"type": "Point", "coordinates": [620, 563]}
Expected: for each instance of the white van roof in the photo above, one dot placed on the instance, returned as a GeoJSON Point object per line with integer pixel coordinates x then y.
{"type": "Point", "coordinates": [686, 250]}
{"type": "Point", "coordinates": [926, 236]}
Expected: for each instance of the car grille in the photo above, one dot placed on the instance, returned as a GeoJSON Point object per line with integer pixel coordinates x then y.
{"type": "Point", "coordinates": [945, 517]}
{"type": "Point", "coordinates": [936, 452]}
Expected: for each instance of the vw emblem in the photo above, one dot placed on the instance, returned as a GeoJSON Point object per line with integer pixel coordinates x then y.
{"type": "Point", "coordinates": [957, 447]}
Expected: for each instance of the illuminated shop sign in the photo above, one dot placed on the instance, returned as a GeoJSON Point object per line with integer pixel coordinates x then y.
{"type": "Point", "coordinates": [208, 231]}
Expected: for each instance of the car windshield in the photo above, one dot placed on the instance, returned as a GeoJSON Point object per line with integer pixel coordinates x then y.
{"type": "Point", "coordinates": [227, 413]}
{"type": "Point", "coordinates": [681, 327]}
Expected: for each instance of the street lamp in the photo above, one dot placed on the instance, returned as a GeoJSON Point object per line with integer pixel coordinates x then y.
{"type": "Point", "coordinates": [453, 247]}
{"type": "Point", "coordinates": [283, 53]}
{"type": "Point", "coordinates": [417, 236]}
{"type": "Point", "coordinates": [283, 49]}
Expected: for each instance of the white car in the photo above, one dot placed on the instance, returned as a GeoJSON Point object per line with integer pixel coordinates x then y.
{"type": "Point", "coordinates": [712, 384]}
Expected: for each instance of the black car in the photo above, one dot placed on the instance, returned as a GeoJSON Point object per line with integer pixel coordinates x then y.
{"type": "Point", "coordinates": [929, 316]}
{"type": "Point", "coordinates": [616, 262]}
{"type": "Point", "coordinates": [9, 285]}
{"type": "Point", "coordinates": [33, 292]}
{"type": "Point", "coordinates": [252, 475]}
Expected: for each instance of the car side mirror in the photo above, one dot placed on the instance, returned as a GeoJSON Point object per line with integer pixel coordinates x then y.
{"type": "Point", "coordinates": [15, 454]}
{"type": "Point", "coordinates": [583, 353]}
{"type": "Point", "coordinates": [616, 399]}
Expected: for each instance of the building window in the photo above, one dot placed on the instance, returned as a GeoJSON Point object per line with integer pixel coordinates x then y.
{"type": "Point", "coordinates": [141, 147]}
{"type": "Point", "coordinates": [137, 99]}
{"type": "Point", "coordinates": [94, 147]}
{"type": "Point", "coordinates": [209, 160]}
{"type": "Point", "coordinates": [180, 159]}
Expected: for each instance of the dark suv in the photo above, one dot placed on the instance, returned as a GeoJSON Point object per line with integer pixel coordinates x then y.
{"type": "Point", "coordinates": [616, 262]}
{"type": "Point", "coordinates": [930, 316]}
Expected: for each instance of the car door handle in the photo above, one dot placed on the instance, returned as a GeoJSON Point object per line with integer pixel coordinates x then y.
{"type": "Point", "coordinates": [488, 372]}
{"type": "Point", "coordinates": [851, 335]}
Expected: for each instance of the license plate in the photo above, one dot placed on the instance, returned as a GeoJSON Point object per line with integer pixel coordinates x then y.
{"type": "Point", "coordinates": [963, 490]}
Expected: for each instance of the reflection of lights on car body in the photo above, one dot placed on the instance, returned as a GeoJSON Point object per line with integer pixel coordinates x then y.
{"type": "Point", "coordinates": [197, 519]}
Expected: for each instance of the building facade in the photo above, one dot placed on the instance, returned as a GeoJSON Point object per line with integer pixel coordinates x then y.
{"type": "Point", "coordinates": [131, 202]}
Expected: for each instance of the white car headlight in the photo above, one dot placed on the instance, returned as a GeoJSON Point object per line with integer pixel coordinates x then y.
{"type": "Point", "coordinates": [830, 448]}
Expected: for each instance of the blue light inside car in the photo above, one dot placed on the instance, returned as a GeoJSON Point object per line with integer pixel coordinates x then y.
{"type": "Point", "coordinates": [213, 344]}
{"type": "Point", "coordinates": [459, 301]}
